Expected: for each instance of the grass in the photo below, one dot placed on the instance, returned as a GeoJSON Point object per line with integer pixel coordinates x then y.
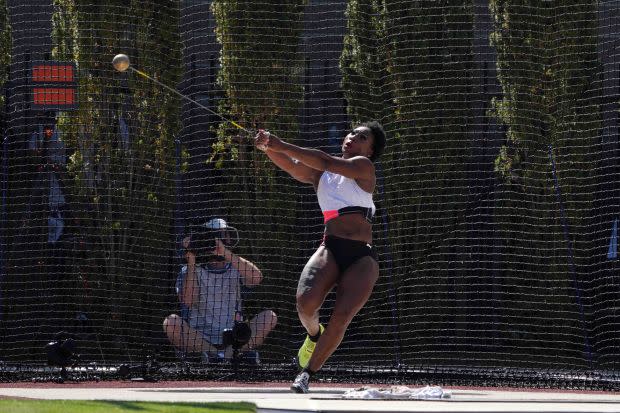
{"type": "Point", "coordinates": [80, 406]}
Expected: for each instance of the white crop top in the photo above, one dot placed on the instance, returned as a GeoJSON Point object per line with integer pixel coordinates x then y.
{"type": "Point", "coordinates": [339, 195]}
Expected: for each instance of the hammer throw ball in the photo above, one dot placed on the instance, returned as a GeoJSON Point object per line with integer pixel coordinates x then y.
{"type": "Point", "coordinates": [120, 62]}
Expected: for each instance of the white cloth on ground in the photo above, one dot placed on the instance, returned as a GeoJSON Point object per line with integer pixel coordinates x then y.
{"type": "Point", "coordinates": [398, 392]}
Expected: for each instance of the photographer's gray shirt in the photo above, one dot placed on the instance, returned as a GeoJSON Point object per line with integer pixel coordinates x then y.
{"type": "Point", "coordinates": [220, 299]}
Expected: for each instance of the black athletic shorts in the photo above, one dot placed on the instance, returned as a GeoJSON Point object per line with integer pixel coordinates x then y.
{"type": "Point", "coordinates": [347, 251]}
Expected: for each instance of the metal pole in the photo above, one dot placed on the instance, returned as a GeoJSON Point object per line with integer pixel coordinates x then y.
{"type": "Point", "coordinates": [388, 271]}
{"type": "Point", "coordinates": [3, 218]}
{"type": "Point", "coordinates": [571, 259]}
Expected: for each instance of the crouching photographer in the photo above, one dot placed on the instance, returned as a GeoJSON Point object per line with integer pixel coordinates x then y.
{"type": "Point", "coordinates": [209, 288]}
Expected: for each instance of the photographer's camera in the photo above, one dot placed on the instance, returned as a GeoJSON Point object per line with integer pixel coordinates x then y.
{"type": "Point", "coordinates": [202, 239]}
{"type": "Point", "coordinates": [238, 336]}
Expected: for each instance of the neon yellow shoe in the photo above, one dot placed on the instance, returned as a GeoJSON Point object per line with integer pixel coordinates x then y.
{"type": "Point", "coordinates": [306, 350]}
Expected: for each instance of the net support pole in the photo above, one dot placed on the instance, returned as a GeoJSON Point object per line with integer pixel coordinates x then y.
{"type": "Point", "coordinates": [388, 270]}
{"type": "Point", "coordinates": [178, 195]}
{"type": "Point", "coordinates": [571, 259]}
{"type": "Point", "coordinates": [4, 173]}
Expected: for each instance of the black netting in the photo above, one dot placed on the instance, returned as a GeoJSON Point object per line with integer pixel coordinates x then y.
{"type": "Point", "coordinates": [497, 195]}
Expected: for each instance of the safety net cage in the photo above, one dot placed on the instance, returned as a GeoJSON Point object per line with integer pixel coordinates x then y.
{"type": "Point", "coordinates": [128, 139]}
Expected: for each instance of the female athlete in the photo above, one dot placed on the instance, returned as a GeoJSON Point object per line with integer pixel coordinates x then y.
{"type": "Point", "coordinates": [345, 259]}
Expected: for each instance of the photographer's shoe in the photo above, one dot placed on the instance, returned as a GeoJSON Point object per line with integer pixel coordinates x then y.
{"type": "Point", "coordinates": [213, 358]}
{"type": "Point", "coordinates": [301, 383]}
{"type": "Point", "coordinates": [306, 349]}
{"type": "Point", "coordinates": [250, 358]}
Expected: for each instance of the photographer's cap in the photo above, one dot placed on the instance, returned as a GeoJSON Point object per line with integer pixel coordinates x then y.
{"type": "Point", "coordinates": [216, 223]}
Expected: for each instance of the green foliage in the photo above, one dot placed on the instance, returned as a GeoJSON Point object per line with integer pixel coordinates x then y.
{"type": "Point", "coordinates": [546, 61]}
{"type": "Point", "coordinates": [407, 64]}
{"type": "Point", "coordinates": [110, 406]}
{"type": "Point", "coordinates": [364, 61]}
{"type": "Point", "coordinates": [122, 186]}
{"type": "Point", "coordinates": [411, 64]}
{"type": "Point", "coordinates": [260, 75]}
{"type": "Point", "coordinates": [541, 79]}
{"type": "Point", "coordinates": [260, 65]}
{"type": "Point", "coordinates": [5, 47]}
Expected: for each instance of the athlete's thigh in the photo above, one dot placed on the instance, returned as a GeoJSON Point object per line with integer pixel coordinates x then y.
{"type": "Point", "coordinates": [320, 273]}
{"type": "Point", "coordinates": [356, 284]}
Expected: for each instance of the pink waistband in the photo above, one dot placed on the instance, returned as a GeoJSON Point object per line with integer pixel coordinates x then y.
{"type": "Point", "coordinates": [327, 215]}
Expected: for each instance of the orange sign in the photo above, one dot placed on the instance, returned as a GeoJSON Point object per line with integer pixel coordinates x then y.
{"type": "Point", "coordinates": [52, 73]}
{"type": "Point", "coordinates": [54, 86]}
{"type": "Point", "coordinates": [53, 96]}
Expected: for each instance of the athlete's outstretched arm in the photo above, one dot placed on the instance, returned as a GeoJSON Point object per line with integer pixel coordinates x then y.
{"type": "Point", "coordinates": [358, 167]}
{"type": "Point", "coordinates": [298, 170]}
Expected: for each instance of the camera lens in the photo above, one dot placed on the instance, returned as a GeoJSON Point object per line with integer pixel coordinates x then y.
{"type": "Point", "coordinates": [238, 336]}
{"type": "Point", "coordinates": [241, 334]}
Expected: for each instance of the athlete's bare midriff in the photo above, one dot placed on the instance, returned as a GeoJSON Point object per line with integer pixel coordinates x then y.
{"type": "Point", "coordinates": [350, 226]}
